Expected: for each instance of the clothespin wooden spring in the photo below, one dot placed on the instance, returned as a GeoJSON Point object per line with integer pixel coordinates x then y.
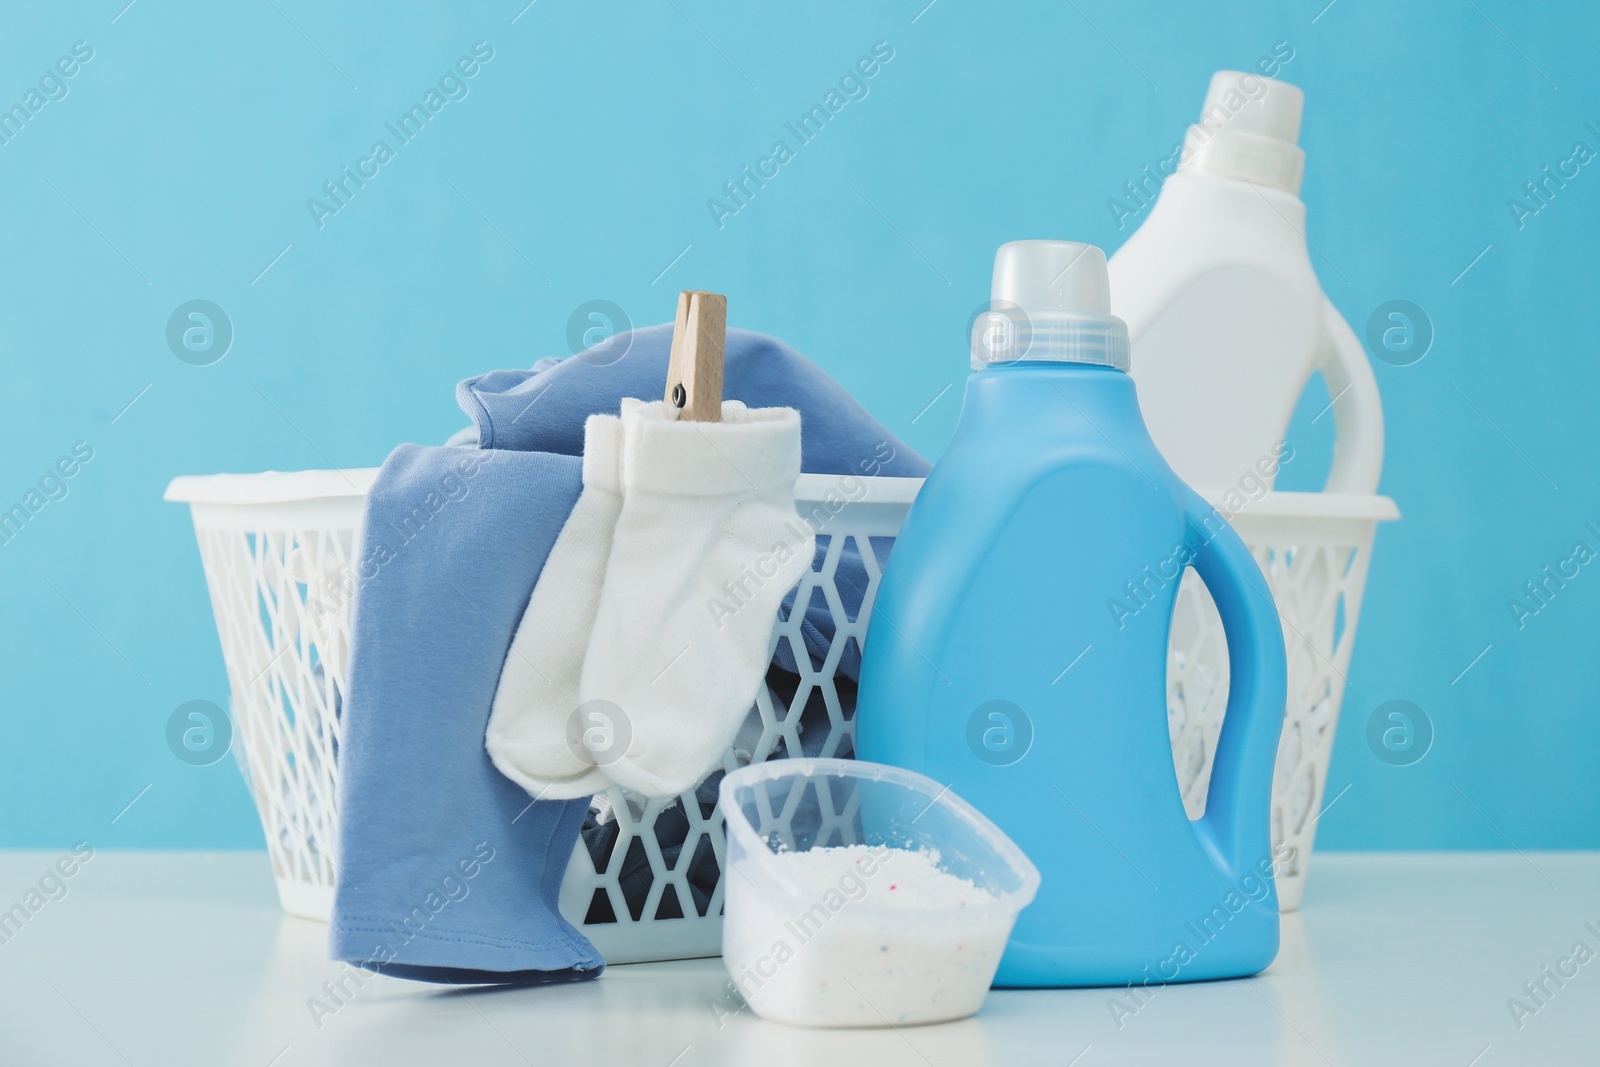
{"type": "Point", "coordinates": [694, 369]}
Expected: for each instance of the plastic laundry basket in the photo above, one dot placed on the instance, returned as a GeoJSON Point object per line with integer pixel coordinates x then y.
{"type": "Point", "coordinates": [279, 556]}
{"type": "Point", "coordinates": [280, 560]}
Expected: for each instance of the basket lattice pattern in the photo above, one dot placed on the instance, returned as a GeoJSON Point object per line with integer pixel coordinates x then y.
{"type": "Point", "coordinates": [285, 634]}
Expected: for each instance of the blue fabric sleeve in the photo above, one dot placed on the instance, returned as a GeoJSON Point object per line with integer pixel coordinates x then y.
{"type": "Point", "coordinates": [447, 871]}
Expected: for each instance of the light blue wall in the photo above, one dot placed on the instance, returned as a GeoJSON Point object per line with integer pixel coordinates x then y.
{"type": "Point", "coordinates": [578, 167]}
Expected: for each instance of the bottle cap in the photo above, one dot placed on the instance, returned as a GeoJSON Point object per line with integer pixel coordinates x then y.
{"type": "Point", "coordinates": [1050, 300]}
{"type": "Point", "coordinates": [1248, 130]}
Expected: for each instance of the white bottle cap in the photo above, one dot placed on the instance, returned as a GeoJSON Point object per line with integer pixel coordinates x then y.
{"type": "Point", "coordinates": [1050, 300]}
{"type": "Point", "coordinates": [1248, 130]}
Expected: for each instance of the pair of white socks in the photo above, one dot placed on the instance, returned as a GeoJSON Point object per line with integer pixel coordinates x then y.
{"type": "Point", "coordinates": [647, 635]}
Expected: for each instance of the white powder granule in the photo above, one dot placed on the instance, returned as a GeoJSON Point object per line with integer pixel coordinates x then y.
{"type": "Point", "coordinates": [864, 936]}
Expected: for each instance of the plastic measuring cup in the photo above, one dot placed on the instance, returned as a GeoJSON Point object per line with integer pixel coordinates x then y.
{"type": "Point", "coordinates": [868, 934]}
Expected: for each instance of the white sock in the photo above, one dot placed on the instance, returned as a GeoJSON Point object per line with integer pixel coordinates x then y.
{"type": "Point", "coordinates": [707, 545]}
{"type": "Point", "coordinates": [534, 729]}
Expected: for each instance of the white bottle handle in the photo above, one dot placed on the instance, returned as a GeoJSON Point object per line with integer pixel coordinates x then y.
{"type": "Point", "coordinates": [1357, 408]}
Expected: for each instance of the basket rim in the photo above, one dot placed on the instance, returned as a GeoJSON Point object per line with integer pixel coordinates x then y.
{"type": "Point", "coordinates": [289, 487]}
{"type": "Point", "coordinates": [1371, 507]}
{"type": "Point", "coordinates": [270, 487]}
{"type": "Point", "coordinates": [285, 487]}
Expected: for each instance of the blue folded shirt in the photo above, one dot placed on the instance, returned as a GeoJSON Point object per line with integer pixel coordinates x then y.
{"type": "Point", "coordinates": [447, 871]}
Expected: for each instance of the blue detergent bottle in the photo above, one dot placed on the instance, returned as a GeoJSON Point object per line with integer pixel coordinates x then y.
{"type": "Point", "coordinates": [1017, 651]}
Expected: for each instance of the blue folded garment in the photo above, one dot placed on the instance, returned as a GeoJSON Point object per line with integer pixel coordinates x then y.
{"type": "Point", "coordinates": [448, 872]}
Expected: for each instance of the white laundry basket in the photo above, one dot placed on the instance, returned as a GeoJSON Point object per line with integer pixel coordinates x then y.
{"type": "Point", "coordinates": [279, 555]}
{"type": "Point", "coordinates": [279, 552]}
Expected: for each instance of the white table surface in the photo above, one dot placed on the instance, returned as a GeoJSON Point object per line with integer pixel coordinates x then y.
{"type": "Point", "coordinates": [1402, 958]}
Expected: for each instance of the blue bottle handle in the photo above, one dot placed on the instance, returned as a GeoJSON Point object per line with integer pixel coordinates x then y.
{"type": "Point", "coordinates": [1236, 823]}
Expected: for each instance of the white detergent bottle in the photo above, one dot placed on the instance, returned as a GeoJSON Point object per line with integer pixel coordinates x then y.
{"type": "Point", "coordinates": [1225, 314]}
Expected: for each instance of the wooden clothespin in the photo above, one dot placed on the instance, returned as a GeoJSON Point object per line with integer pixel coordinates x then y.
{"type": "Point", "coordinates": [694, 370]}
